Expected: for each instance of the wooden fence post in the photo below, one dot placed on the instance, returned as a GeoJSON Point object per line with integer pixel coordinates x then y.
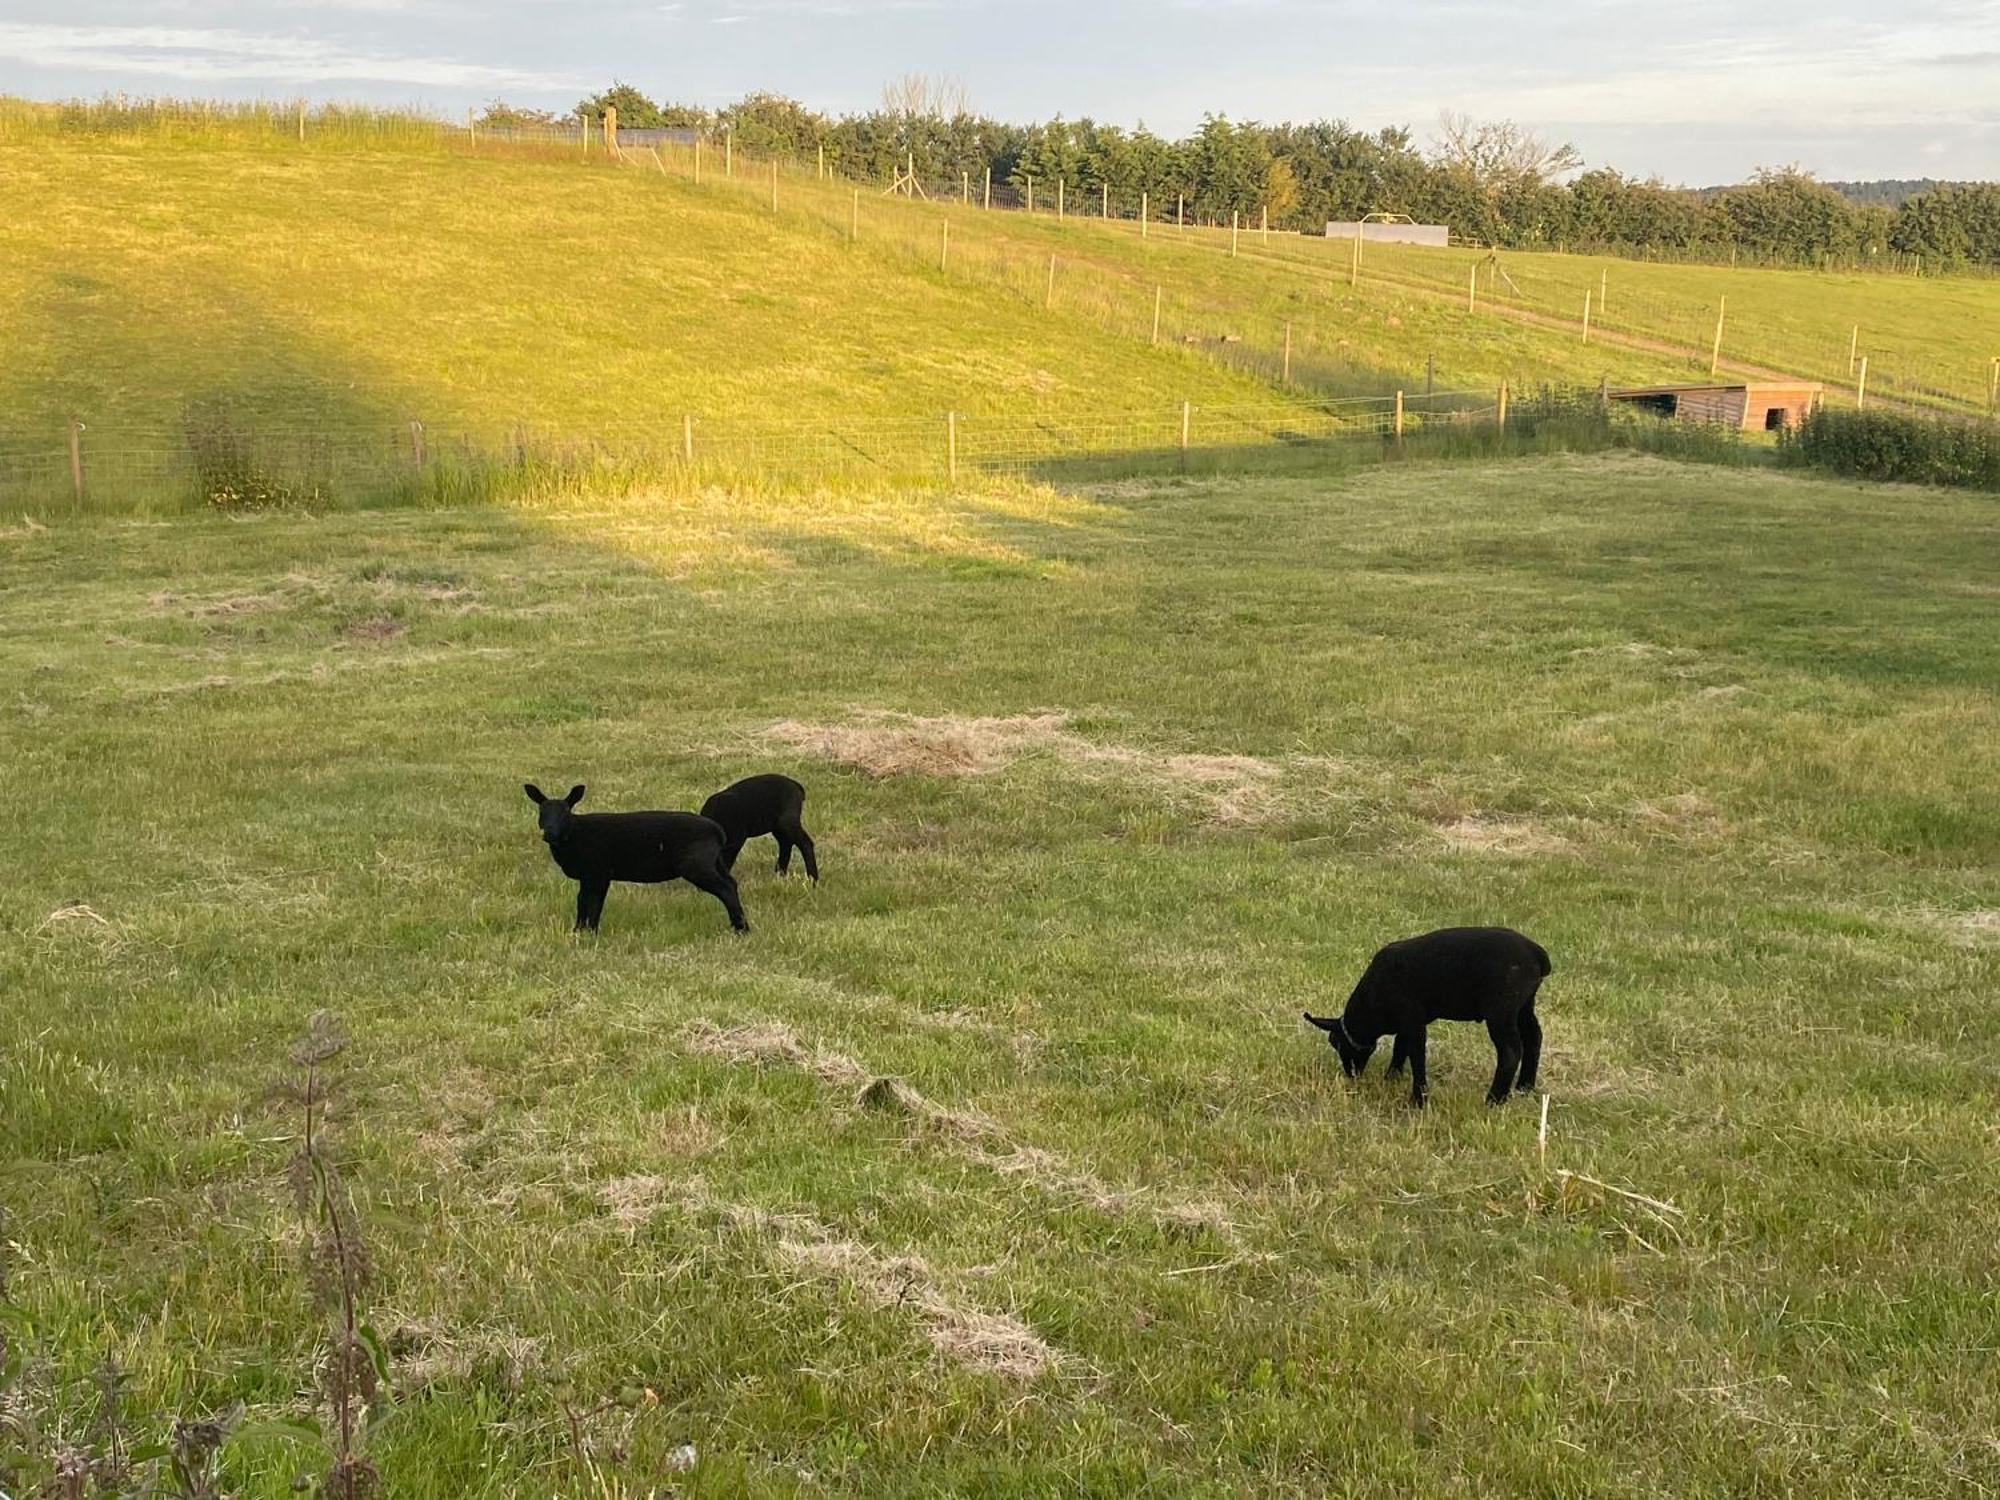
{"type": "Point", "coordinates": [1586, 315]}
{"type": "Point", "coordinates": [1500, 410]}
{"type": "Point", "coordinates": [1603, 286]}
{"type": "Point", "coordinates": [1472, 289]}
{"type": "Point", "coordinates": [687, 437]}
{"type": "Point", "coordinates": [1180, 210]}
{"type": "Point", "coordinates": [1354, 271]}
{"type": "Point", "coordinates": [1853, 348]}
{"type": "Point", "coordinates": [819, 171]}
{"type": "Point", "coordinates": [951, 444]}
{"type": "Point", "coordinates": [1715, 353]}
{"type": "Point", "coordinates": [1031, 195]}
{"type": "Point", "coordinates": [1104, 204]}
{"type": "Point", "coordinates": [583, 132]}
{"type": "Point", "coordinates": [1157, 290]}
{"type": "Point", "coordinates": [728, 153]}
{"type": "Point", "coordinates": [76, 458]}
{"type": "Point", "coordinates": [611, 130]}
{"type": "Point", "coordinates": [1049, 299]}
{"type": "Point", "coordinates": [302, 122]}
{"type": "Point", "coordinates": [944, 250]}
{"type": "Point", "coordinates": [1604, 395]}
{"type": "Point", "coordinates": [1061, 183]}
{"type": "Point", "coordinates": [1993, 388]}
{"type": "Point", "coordinates": [1187, 411]}
{"type": "Point", "coordinates": [1233, 217]}
{"type": "Point", "coordinates": [986, 192]}
{"type": "Point", "coordinates": [1399, 416]}
{"type": "Point", "coordinates": [1142, 215]}
{"type": "Point", "coordinates": [417, 444]}
{"type": "Point", "coordinates": [1265, 213]}
{"type": "Point", "coordinates": [1288, 352]}
{"type": "Point", "coordinates": [1861, 386]}
{"type": "Point", "coordinates": [964, 189]}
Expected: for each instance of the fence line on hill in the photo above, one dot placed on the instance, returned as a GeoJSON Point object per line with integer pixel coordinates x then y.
{"type": "Point", "coordinates": [235, 462]}
{"type": "Point", "coordinates": [1640, 320]}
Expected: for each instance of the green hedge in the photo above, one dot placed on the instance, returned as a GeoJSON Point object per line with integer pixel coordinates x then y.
{"type": "Point", "coordinates": [1890, 445]}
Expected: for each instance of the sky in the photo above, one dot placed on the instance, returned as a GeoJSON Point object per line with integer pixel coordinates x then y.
{"type": "Point", "coordinates": [1698, 92]}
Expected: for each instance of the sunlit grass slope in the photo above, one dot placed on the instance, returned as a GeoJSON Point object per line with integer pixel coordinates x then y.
{"type": "Point", "coordinates": [361, 288]}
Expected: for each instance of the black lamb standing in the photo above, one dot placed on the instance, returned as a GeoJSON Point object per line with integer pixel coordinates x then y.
{"type": "Point", "coordinates": [1485, 974]}
{"type": "Point", "coordinates": [646, 848]}
{"type": "Point", "coordinates": [758, 805]}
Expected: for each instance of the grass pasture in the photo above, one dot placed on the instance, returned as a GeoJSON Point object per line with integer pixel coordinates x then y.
{"type": "Point", "coordinates": [1108, 786]}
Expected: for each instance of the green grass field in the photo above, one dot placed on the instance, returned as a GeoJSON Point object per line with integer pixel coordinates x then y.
{"type": "Point", "coordinates": [1108, 786]}
{"type": "Point", "coordinates": [1929, 341]}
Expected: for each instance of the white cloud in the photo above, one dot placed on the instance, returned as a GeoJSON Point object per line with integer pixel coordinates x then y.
{"type": "Point", "coordinates": [202, 54]}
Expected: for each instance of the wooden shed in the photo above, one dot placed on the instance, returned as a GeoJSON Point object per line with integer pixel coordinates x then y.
{"type": "Point", "coordinates": [1754, 408]}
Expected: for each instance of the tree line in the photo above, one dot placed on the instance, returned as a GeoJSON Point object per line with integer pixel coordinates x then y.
{"type": "Point", "coordinates": [1493, 183]}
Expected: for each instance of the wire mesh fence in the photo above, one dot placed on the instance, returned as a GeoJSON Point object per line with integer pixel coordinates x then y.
{"type": "Point", "coordinates": [214, 461]}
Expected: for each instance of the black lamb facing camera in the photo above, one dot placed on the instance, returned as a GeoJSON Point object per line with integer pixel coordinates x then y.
{"type": "Point", "coordinates": [646, 848]}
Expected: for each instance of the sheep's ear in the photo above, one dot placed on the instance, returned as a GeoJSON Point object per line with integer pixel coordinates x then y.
{"type": "Point", "coordinates": [1324, 1023]}
{"type": "Point", "coordinates": [534, 793]}
{"type": "Point", "coordinates": [575, 795]}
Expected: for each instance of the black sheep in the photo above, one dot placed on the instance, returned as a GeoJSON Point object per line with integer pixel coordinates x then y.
{"type": "Point", "coordinates": [647, 848]}
{"type": "Point", "coordinates": [1485, 974]}
{"type": "Point", "coordinates": [758, 805]}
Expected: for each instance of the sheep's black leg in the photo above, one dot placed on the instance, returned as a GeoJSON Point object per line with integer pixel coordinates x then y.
{"type": "Point", "coordinates": [804, 841]}
{"type": "Point", "coordinates": [784, 852]}
{"type": "Point", "coordinates": [1506, 1036]}
{"type": "Point", "coordinates": [1411, 1045]}
{"type": "Point", "coordinates": [720, 884]}
{"type": "Point", "coordinates": [590, 903]}
{"type": "Point", "coordinates": [1531, 1049]}
{"type": "Point", "coordinates": [729, 852]}
{"type": "Point", "coordinates": [1397, 1058]}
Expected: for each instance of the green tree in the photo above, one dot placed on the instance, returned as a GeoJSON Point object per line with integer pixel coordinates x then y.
{"type": "Point", "coordinates": [634, 108]}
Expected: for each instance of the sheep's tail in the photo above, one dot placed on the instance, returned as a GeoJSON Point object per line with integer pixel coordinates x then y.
{"type": "Point", "coordinates": [1324, 1023]}
{"type": "Point", "coordinates": [1542, 957]}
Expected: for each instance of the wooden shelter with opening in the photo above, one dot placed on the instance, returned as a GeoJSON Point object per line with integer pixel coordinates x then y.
{"type": "Point", "coordinates": [1756, 407]}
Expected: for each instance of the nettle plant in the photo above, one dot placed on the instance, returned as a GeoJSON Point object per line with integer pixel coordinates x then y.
{"type": "Point", "coordinates": [354, 1370]}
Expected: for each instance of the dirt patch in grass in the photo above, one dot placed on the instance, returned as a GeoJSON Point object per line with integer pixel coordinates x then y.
{"type": "Point", "coordinates": [465, 1105]}
{"type": "Point", "coordinates": [1233, 789]}
{"type": "Point", "coordinates": [976, 1136]}
{"type": "Point", "coordinates": [961, 1331]}
{"type": "Point", "coordinates": [374, 628]}
{"type": "Point", "coordinates": [1980, 925]}
{"type": "Point", "coordinates": [1512, 836]}
{"type": "Point", "coordinates": [424, 1354]}
{"type": "Point", "coordinates": [632, 1201]}
{"type": "Point", "coordinates": [768, 1042]}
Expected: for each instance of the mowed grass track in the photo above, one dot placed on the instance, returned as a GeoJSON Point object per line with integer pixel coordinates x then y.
{"type": "Point", "coordinates": [1722, 741]}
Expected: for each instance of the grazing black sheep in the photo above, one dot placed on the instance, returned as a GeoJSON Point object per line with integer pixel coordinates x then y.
{"type": "Point", "coordinates": [594, 849]}
{"type": "Point", "coordinates": [1485, 974]}
{"type": "Point", "coordinates": [758, 805]}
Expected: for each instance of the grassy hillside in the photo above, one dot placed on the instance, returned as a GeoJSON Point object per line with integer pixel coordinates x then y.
{"type": "Point", "coordinates": [1929, 341]}
{"type": "Point", "coordinates": [1107, 788]}
{"type": "Point", "coordinates": [347, 292]}
{"type": "Point", "coordinates": [329, 295]}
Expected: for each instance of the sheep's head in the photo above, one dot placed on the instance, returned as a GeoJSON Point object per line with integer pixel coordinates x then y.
{"type": "Point", "coordinates": [555, 811]}
{"type": "Point", "coordinates": [1354, 1048]}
